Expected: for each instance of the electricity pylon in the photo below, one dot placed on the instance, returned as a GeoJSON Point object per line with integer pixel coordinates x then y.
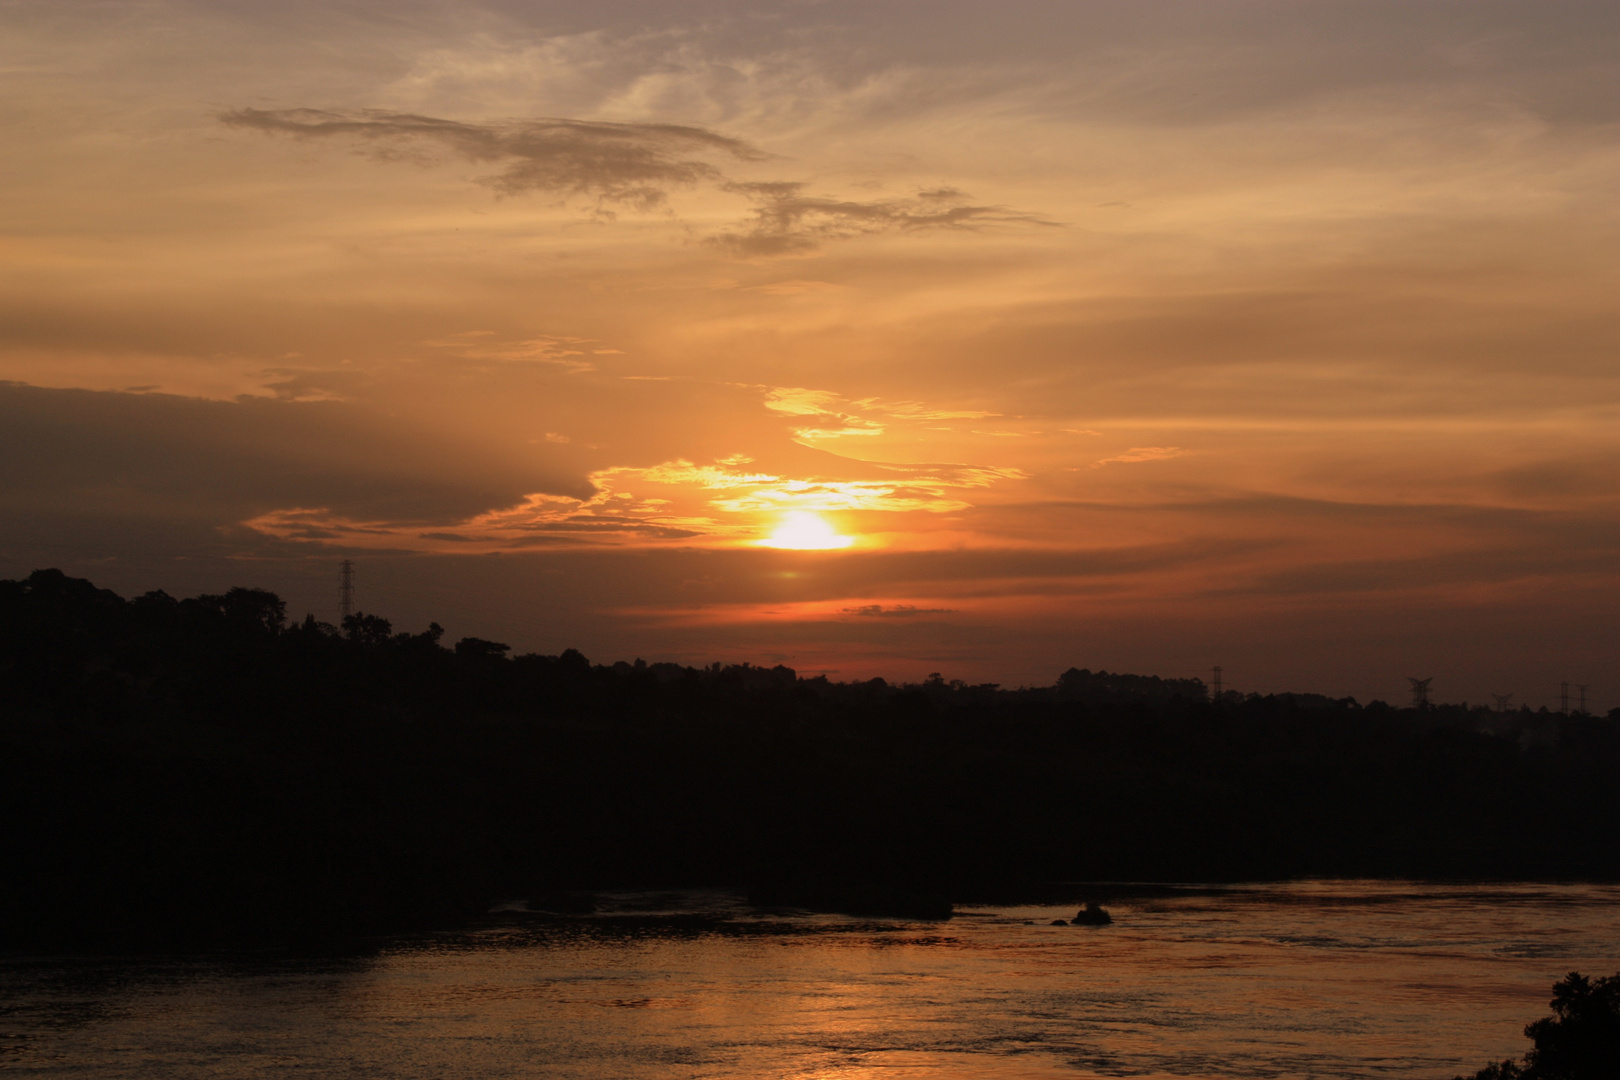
{"type": "Point", "coordinates": [346, 589]}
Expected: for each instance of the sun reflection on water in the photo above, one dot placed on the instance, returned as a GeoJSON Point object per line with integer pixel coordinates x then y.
{"type": "Point", "coordinates": [1355, 979]}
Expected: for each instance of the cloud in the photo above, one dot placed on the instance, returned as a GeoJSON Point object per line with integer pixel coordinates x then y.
{"type": "Point", "coordinates": [703, 476]}
{"type": "Point", "coordinates": [1586, 562]}
{"type": "Point", "coordinates": [636, 164]}
{"type": "Point", "coordinates": [1592, 475]}
{"type": "Point", "coordinates": [831, 419]}
{"type": "Point", "coordinates": [715, 503]}
{"type": "Point", "coordinates": [107, 472]}
{"type": "Point", "coordinates": [821, 408]}
{"type": "Point", "coordinates": [1140, 453]}
{"type": "Point", "coordinates": [934, 488]}
{"type": "Point", "coordinates": [563, 352]}
{"type": "Point", "coordinates": [538, 520]}
{"type": "Point", "coordinates": [628, 163]}
{"type": "Point", "coordinates": [796, 287]}
{"type": "Point", "coordinates": [898, 611]}
{"type": "Point", "coordinates": [786, 220]}
{"type": "Point", "coordinates": [916, 410]}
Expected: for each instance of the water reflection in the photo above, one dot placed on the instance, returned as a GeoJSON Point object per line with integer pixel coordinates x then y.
{"type": "Point", "coordinates": [1318, 978]}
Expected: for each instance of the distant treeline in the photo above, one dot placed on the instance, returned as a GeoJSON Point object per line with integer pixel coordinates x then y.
{"type": "Point", "coordinates": [204, 770]}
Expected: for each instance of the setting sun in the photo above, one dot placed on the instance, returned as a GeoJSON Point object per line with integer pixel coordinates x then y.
{"type": "Point", "coordinates": [804, 531]}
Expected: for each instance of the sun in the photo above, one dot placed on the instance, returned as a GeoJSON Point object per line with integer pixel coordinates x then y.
{"type": "Point", "coordinates": [804, 531]}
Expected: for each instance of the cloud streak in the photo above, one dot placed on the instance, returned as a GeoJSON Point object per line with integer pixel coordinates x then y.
{"type": "Point", "coordinates": [191, 472]}
{"type": "Point", "coordinates": [636, 165]}
{"type": "Point", "coordinates": [1141, 453]}
{"type": "Point", "coordinates": [825, 415]}
{"type": "Point", "coordinates": [897, 611]}
{"type": "Point", "coordinates": [787, 219]}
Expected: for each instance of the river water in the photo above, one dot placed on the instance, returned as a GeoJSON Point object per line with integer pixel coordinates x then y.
{"type": "Point", "coordinates": [1312, 979]}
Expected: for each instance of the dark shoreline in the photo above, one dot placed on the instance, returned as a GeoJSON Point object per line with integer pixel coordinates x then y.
{"type": "Point", "coordinates": [735, 916]}
{"type": "Point", "coordinates": [202, 772]}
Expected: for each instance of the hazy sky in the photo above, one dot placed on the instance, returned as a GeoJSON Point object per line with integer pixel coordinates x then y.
{"type": "Point", "coordinates": [1144, 335]}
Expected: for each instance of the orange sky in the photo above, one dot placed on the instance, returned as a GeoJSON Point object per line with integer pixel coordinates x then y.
{"type": "Point", "coordinates": [1146, 335]}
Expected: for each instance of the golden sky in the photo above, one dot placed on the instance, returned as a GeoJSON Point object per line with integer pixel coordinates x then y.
{"type": "Point", "coordinates": [1146, 335]}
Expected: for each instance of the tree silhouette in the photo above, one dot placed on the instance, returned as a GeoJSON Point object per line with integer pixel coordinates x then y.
{"type": "Point", "coordinates": [367, 629]}
{"type": "Point", "coordinates": [256, 609]}
{"type": "Point", "coordinates": [1580, 1041]}
{"type": "Point", "coordinates": [201, 770]}
{"type": "Point", "coordinates": [472, 646]}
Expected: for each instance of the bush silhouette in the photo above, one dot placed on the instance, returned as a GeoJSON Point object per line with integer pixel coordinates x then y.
{"type": "Point", "coordinates": [1580, 1041]}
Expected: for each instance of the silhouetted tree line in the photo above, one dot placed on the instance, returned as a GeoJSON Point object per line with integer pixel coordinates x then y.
{"type": "Point", "coordinates": [204, 769]}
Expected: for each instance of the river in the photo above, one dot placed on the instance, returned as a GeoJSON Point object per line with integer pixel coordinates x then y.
{"type": "Point", "coordinates": [1305, 979]}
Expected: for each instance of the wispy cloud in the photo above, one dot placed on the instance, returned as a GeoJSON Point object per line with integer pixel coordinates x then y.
{"type": "Point", "coordinates": [827, 415]}
{"type": "Point", "coordinates": [321, 470]}
{"type": "Point", "coordinates": [637, 165]}
{"type": "Point", "coordinates": [933, 488]}
{"type": "Point", "coordinates": [897, 611]}
{"type": "Point", "coordinates": [820, 412]}
{"type": "Point", "coordinates": [786, 219]}
{"type": "Point", "coordinates": [567, 353]}
{"type": "Point", "coordinates": [1140, 453]}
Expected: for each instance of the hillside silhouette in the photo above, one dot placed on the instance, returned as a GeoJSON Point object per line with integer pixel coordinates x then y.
{"type": "Point", "coordinates": [205, 770]}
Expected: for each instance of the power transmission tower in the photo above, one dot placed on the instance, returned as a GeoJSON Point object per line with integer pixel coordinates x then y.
{"type": "Point", "coordinates": [1420, 691]}
{"type": "Point", "coordinates": [1563, 698]}
{"type": "Point", "coordinates": [346, 589]}
{"type": "Point", "coordinates": [1216, 685]}
{"type": "Point", "coordinates": [1502, 701]}
{"type": "Point", "coordinates": [1581, 688]}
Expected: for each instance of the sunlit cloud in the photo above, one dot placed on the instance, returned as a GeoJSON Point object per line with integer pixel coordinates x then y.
{"type": "Point", "coordinates": [715, 504]}
{"type": "Point", "coordinates": [932, 493]}
{"type": "Point", "coordinates": [1140, 453]}
{"type": "Point", "coordinates": [895, 611]}
{"type": "Point", "coordinates": [916, 410]}
{"type": "Point", "coordinates": [716, 477]}
{"type": "Point", "coordinates": [833, 415]}
{"type": "Point", "coordinates": [818, 406]}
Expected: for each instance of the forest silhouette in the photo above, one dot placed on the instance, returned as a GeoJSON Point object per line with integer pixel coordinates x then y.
{"type": "Point", "coordinates": [202, 771]}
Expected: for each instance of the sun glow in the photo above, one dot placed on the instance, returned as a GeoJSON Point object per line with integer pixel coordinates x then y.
{"type": "Point", "coordinates": [804, 531]}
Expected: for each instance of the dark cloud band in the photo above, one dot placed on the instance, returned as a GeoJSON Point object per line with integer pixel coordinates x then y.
{"type": "Point", "coordinates": [636, 165]}
{"type": "Point", "coordinates": [629, 163]}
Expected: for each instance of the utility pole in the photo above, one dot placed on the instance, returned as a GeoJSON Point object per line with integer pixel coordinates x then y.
{"type": "Point", "coordinates": [1420, 691]}
{"type": "Point", "coordinates": [1581, 688]}
{"type": "Point", "coordinates": [1502, 701]}
{"type": "Point", "coordinates": [1216, 685]}
{"type": "Point", "coordinates": [346, 589]}
{"type": "Point", "coordinates": [1563, 698]}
